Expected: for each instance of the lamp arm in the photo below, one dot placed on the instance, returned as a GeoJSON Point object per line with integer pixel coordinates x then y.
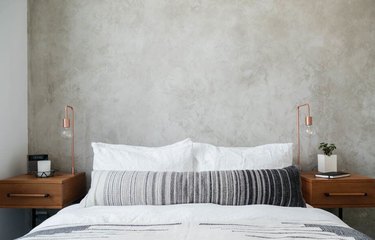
{"type": "Point", "coordinates": [73, 161]}
{"type": "Point", "coordinates": [67, 107]}
{"type": "Point", "coordinates": [303, 105]}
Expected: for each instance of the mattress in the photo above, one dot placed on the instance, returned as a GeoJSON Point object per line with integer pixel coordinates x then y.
{"type": "Point", "coordinates": [192, 222]}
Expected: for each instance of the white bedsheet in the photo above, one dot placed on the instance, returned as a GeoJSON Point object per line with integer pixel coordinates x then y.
{"type": "Point", "coordinates": [187, 213]}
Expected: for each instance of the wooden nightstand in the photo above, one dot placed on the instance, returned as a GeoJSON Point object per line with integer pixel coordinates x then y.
{"type": "Point", "coordinates": [349, 192]}
{"type": "Point", "coordinates": [27, 191]}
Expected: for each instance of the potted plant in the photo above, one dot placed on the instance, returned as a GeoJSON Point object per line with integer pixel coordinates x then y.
{"type": "Point", "coordinates": [327, 162]}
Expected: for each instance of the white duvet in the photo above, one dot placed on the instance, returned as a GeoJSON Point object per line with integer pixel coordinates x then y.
{"type": "Point", "coordinates": [191, 222]}
{"type": "Point", "coordinates": [149, 214]}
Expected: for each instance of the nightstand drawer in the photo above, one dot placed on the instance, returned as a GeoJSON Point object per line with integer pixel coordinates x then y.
{"type": "Point", "coordinates": [27, 191]}
{"type": "Point", "coordinates": [30, 195]}
{"type": "Point", "coordinates": [343, 193]}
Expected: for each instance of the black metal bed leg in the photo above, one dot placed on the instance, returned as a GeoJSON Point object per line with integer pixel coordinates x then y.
{"type": "Point", "coordinates": [33, 217]}
{"type": "Point", "coordinates": [341, 214]}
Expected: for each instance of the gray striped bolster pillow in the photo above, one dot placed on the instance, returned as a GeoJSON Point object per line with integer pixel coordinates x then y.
{"type": "Point", "coordinates": [238, 187]}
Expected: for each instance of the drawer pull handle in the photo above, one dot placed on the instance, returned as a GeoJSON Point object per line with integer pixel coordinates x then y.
{"type": "Point", "coordinates": [345, 194]}
{"type": "Point", "coordinates": [34, 195]}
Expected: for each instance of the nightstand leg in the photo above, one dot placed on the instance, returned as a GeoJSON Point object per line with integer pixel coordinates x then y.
{"type": "Point", "coordinates": [340, 213]}
{"type": "Point", "coordinates": [33, 217]}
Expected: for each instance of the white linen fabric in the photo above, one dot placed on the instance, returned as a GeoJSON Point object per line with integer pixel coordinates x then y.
{"type": "Point", "coordinates": [176, 157]}
{"type": "Point", "coordinates": [192, 222]}
{"type": "Point", "coordinates": [211, 158]}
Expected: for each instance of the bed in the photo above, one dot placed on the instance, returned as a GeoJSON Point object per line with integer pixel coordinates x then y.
{"type": "Point", "coordinates": [193, 192]}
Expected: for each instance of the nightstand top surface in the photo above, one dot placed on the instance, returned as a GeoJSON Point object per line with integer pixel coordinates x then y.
{"type": "Point", "coordinates": [28, 178]}
{"type": "Point", "coordinates": [310, 177]}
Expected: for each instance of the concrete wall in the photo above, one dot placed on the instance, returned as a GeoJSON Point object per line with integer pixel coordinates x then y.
{"type": "Point", "coordinates": [225, 72]}
{"type": "Point", "coordinates": [13, 106]}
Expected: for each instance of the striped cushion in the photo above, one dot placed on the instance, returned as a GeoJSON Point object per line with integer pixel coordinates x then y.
{"type": "Point", "coordinates": [239, 187]}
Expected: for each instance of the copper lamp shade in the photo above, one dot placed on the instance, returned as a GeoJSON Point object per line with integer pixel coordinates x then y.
{"type": "Point", "coordinates": [308, 121]}
{"type": "Point", "coordinates": [66, 123]}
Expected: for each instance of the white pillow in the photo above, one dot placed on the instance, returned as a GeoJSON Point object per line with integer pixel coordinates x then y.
{"type": "Point", "coordinates": [176, 157]}
{"type": "Point", "coordinates": [211, 158]}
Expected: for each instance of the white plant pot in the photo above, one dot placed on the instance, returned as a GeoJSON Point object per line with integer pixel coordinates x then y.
{"type": "Point", "coordinates": [327, 163]}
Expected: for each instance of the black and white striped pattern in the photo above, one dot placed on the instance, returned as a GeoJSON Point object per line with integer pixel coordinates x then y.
{"type": "Point", "coordinates": [279, 187]}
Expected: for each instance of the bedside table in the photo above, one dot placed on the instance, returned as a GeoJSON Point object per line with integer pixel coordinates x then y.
{"type": "Point", "coordinates": [348, 192]}
{"type": "Point", "coordinates": [28, 191]}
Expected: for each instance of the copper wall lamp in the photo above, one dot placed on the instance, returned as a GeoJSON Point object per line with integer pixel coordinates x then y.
{"type": "Point", "coordinates": [67, 126]}
{"type": "Point", "coordinates": [308, 130]}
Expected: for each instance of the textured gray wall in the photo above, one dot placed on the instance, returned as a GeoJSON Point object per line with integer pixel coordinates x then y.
{"type": "Point", "coordinates": [219, 71]}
